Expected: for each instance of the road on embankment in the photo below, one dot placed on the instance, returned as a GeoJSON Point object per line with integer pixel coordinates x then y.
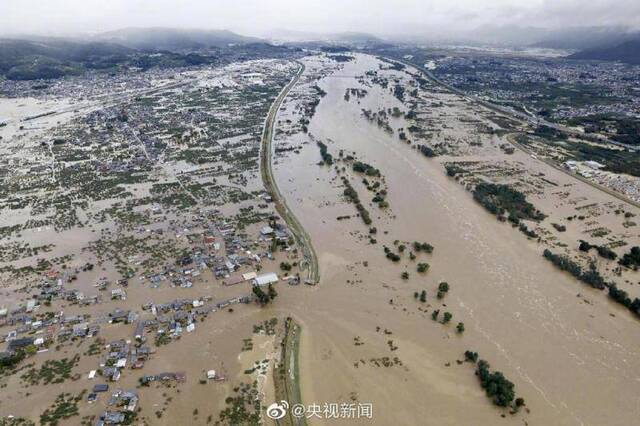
{"type": "Point", "coordinates": [512, 113]}
{"type": "Point", "coordinates": [287, 379]}
{"type": "Point", "coordinates": [526, 120]}
{"type": "Point", "coordinates": [619, 196]}
{"type": "Point", "coordinates": [310, 260]}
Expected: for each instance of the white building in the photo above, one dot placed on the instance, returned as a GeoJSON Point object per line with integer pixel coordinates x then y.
{"type": "Point", "coordinates": [593, 165]}
{"type": "Point", "coordinates": [265, 279]}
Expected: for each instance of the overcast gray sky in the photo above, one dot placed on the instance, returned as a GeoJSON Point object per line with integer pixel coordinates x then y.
{"type": "Point", "coordinates": [255, 17]}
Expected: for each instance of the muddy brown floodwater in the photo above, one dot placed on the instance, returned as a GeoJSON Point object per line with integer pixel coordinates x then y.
{"type": "Point", "coordinates": [572, 362]}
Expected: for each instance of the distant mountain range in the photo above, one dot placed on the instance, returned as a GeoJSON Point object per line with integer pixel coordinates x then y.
{"type": "Point", "coordinates": [591, 43]}
{"type": "Point", "coordinates": [347, 38]}
{"type": "Point", "coordinates": [30, 58]}
{"type": "Point", "coordinates": [628, 52]}
{"type": "Point", "coordinates": [587, 43]}
{"type": "Point", "coordinates": [53, 58]}
{"type": "Point", "coordinates": [571, 38]}
{"type": "Point", "coordinates": [173, 39]}
{"type": "Point", "coordinates": [581, 38]}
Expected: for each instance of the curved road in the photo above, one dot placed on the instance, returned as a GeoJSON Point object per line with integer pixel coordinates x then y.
{"type": "Point", "coordinates": [310, 260]}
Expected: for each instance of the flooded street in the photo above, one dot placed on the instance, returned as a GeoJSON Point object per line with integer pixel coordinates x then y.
{"type": "Point", "coordinates": [573, 359]}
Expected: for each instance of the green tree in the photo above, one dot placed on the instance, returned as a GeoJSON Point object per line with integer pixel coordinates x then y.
{"type": "Point", "coordinates": [30, 350]}
{"type": "Point", "coordinates": [470, 356]}
{"type": "Point", "coordinates": [272, 292]}
{"type": "Point", "coordinates": [260, 295]}
{"type": "Point", "coordinates": [443, 289]}
{"type": "Point", "coordinates": [285, 266]}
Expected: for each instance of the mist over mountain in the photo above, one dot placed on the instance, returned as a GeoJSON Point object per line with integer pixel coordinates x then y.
{"type": "Point", "coordinates": [570, 38]}
{"type": "Point", "coordinates": [35, 57]}
{"type": "Point", "coordinates": [38, 57]}
{"type": "Point", "coordinates": [627, 52]}
{"type": "Point", "coordinates": [171, 38]}
{"type": "Point", "coordinates": [351, 38]}
{"type": "Point", "coordinates": [53, 58]}
{"type": "Point", "coordinates": [587, 37]}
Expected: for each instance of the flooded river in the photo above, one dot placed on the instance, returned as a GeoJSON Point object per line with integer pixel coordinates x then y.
{"type": "Point", "coordinates": [570, 358]}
